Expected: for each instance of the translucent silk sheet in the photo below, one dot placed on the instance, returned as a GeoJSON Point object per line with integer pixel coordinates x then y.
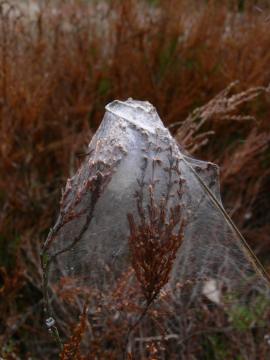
{"type": "Point", "coordinates": [134, 165]}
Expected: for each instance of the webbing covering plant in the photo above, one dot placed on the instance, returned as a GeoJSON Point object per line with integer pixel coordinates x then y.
{"type": "Point", "coordinates": [180, 232]}
{"type": "Point", "coordinates": [56, 76]}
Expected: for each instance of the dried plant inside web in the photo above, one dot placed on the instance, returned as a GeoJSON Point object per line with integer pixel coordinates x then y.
{"type": "Point", "coordinates": [158, 233]}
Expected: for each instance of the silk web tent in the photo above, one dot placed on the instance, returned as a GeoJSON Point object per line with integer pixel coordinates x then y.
{"type": "Point", "coordinates": [136, 177]}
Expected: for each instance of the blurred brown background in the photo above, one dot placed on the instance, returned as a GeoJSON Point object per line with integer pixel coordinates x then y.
{"type": "Point", "coordinates": [62, 61]}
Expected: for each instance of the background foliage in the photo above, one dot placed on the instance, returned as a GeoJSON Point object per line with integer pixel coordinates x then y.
{"type": "Point", "coordinates": [61, 62]}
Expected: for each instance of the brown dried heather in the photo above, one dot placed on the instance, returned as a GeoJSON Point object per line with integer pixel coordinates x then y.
{"type": "Point", "coordinates": [71, 350]}
{"type": "Point", "coordinates": [59, 69]}
{"type": "Point", "coordinates": [222, 107]}
{"type": "Point", "coordinates": [154, 242]}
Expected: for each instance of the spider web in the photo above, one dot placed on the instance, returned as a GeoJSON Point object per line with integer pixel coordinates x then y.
{"type": "Point", "coordinates": [87, 252]}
